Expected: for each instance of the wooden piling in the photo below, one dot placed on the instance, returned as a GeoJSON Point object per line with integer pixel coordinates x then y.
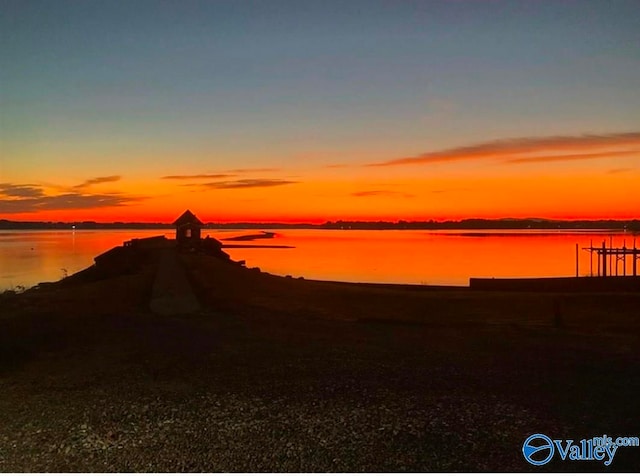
{"type": "Point", "coordinates": [615, 255]}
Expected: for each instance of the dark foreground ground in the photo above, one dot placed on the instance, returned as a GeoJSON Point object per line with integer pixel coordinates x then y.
{"type": "Point", "coordinates": [278, 374]}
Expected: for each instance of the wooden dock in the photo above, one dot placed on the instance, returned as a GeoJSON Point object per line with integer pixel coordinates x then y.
{"type": "Point", "coordinates": [617, 259]}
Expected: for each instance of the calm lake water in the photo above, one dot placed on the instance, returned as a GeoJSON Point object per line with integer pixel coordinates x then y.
{"type": "Point", "coordinates": [417, 257]}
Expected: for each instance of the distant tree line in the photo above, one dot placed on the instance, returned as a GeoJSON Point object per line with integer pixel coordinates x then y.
{"type": "Point", "coordinates": [487, 224]}
{"type": "Point", "coordinates": [83, 225]}
{"type": "Point", "coordinates": [466, 224]}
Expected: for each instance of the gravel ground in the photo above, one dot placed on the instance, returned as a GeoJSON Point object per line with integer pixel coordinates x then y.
{"type": "Point", "coordinates": [91, 381]}
{"type": "Point", "coordinates": [230, 432]}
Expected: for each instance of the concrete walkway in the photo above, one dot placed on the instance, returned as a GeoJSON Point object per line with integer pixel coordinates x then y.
{"type": "Point", "coordinates": [172, 293]}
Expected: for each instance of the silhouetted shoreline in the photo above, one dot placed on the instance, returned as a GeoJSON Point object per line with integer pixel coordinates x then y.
{"type": "Point", "coordinates": [466, 224]}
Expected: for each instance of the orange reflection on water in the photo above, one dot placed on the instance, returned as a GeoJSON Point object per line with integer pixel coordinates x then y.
{"type": "Point", "coordinates": [423, 257]}
{"type": "Point", "coordinates": [30, 257]}
{"type": "Point", "coordinates": [417, 257]}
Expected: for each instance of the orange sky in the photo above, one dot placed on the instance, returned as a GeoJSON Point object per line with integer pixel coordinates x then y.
{"type": "Point", "coordinates": [552, 177]}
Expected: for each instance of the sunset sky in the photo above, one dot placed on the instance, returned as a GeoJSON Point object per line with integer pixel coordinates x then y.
{"type": "Point", "coordinates": [319, 110]}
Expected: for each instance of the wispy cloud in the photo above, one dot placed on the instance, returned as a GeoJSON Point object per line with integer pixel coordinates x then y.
{"type": "Point", "coordinates": [254, 171]}
{"type": "Point", "coordinates": [68, 201]}
{"type": "Point", "coordinates": [98, 180]}
{"type": "Point", "coordinates": [383, 193]}
{"type": "Point", "coordinates": [20, 190]}
{"type": "Point", "coordinates": [24, 198]}
{"type": "Point", "coordinates": [220, 175]}
{"type": "Point", "coordinates": [197, 176]}
{"type": "Point", "coordinates": [532, 149]}
{"type": "Point", "coordinates": [247, 183]}
{"type": "Point", "coordinates": [620, 170]}
{"type": "Point", "coordinates": [555, 158]}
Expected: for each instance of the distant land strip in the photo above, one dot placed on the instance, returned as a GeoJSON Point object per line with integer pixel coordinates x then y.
{"type": "Point", "coordinates": [466, 224]}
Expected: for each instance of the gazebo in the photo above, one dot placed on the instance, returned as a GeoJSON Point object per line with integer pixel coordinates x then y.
{"type": "Point", "coordinates": [188, 228]}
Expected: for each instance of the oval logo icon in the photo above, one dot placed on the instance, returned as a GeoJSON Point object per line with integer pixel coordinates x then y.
{"type": "Point", "coordinates": [538, 449]}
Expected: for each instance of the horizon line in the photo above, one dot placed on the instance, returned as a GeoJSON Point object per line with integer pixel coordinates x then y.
{"type": "Point", "coordinates": [339, 220]}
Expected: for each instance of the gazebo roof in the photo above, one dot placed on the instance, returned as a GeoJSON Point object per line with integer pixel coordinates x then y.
{"type": "Point", "coordinates": [187, 218]}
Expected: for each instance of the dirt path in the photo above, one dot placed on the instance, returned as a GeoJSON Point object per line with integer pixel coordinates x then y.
{"type": "Point", "coordinates": [172, 293]}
